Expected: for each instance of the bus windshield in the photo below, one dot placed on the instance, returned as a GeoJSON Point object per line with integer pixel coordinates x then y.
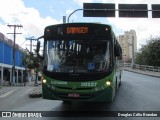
{"type": "Point", "coordinates": [77, 56]}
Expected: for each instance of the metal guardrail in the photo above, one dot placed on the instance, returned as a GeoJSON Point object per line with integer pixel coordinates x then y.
{"type": "Point", "coordinates": [143, 67]}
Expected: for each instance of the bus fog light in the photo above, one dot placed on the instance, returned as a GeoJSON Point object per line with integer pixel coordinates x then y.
{"type": "Point", "coordinates": [108, 83]}
{"type": "Point", "coordinates": [48, 86]}
{"type": "Point", "coordinates": [44, 81]}
{"type": "Point", "coordinates": [96, 89]}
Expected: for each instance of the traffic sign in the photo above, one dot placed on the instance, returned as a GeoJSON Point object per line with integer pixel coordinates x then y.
{"type": "Point", "coordinates": [124, 10]}
{"type": "Point", "coordinates": [133, 10]}
{"type": "Point", "coordinates": [98, 10]}
{"type": "Point", "coordinates": [155, 10]}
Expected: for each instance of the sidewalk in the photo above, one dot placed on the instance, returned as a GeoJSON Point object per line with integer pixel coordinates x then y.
{"type": "Point", "coordinates": [21, 84]}
{"type": "Point", "coordinates": [149, 73]}
{"type": "Point", "coordinates": [37, 89]}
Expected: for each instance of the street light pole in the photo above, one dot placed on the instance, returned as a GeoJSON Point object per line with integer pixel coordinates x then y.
{"type": "Point", "coordinates": [72, 14]}
{"type": "Point", "coordinates": [132, 52]}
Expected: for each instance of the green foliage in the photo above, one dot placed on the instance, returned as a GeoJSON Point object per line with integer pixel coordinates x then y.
{"type": "Point", "coordinates": [31, 61]}
{"type": "Point", "coordinates": [149, 54]}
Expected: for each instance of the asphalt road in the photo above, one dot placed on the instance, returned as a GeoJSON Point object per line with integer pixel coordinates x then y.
{"type": "Point", "coordinates": [137, 93]}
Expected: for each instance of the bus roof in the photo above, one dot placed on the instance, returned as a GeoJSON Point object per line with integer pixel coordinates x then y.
{"type": "Point", "coordinates": [78, 30]}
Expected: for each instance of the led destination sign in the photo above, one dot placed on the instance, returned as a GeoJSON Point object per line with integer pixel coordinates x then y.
{"type": "Point", "coordinates": [77, 30]}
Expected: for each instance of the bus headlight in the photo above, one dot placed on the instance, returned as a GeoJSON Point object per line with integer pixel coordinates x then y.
{"type": "Point", "coordinates": [44, 81]}
{"type": "Point", "coordinates": [108, 83]}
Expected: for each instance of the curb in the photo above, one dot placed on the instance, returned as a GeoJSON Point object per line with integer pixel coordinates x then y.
{"type": "Point", "coordinates": [35, 95]}
{"type": "Point", "coordinates": [142, 73]}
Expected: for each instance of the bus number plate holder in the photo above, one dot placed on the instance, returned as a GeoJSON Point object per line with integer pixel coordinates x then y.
{"type": "Point", "coordinates": [75, 95]}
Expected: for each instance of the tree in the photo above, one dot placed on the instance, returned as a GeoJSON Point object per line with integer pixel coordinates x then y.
{"type": "Point", "coordinates": [32, 61]}
{"type": "Point", "coordinates": [149, 54]}
{"type": "Point", "coordinates": [36, 63]}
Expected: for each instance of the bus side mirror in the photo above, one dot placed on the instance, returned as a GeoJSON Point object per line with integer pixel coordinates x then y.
{"type": "Point", "coordinates": [38, 48]}
{"type": "Point", "coordinates": [117, 51]}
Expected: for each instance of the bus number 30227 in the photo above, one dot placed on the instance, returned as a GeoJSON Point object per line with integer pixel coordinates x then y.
{"type": "Point", "coordinates": [88, 84]}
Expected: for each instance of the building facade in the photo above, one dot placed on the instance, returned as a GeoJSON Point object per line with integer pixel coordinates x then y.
{"type": "Point", "coordinates": [128, 42]}
{"type": "Point", "coordinates": [6, 62]}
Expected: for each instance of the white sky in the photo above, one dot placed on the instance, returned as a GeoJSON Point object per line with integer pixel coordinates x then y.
{"type": "Point", "coordinates": [34, 15]}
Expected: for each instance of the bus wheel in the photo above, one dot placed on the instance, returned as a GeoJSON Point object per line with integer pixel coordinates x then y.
{"type": "Point", "coordinates": [120, 83]}
{"type": "Point", "coordinates": [116, 87]}
{"type": "Point", "coordinates": [120, 78]}
{"type": "Point", "coordinates": [67, 102]}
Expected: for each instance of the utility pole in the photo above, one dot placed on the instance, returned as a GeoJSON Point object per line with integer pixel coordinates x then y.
{"type": "Point", "coordinates": [31, 39]}
{"type": "Point", "coordinates": [14, 39]}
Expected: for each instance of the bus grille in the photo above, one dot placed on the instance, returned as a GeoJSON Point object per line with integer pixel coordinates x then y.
{"type": "Point", "coordinates": [82, 96]}
{"type": "Point", "coordinates": [76, 77]}
{"type": "Point", "coordinates": [69, 88]}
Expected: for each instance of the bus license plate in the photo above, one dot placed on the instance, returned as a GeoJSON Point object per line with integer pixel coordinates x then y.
{"type": "Point", "coordinates": [73, 95]}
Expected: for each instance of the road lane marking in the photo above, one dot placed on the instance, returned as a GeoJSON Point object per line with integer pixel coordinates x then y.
{"type": "Point", "coordinates": [7, 93]}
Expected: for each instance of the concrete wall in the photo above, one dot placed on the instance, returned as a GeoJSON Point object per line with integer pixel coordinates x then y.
{"type": "Point", "coordinates": [6, 61]}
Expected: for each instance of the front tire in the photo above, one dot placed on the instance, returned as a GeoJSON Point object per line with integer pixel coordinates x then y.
{"type": "Point", "coordinates": [67, 102]}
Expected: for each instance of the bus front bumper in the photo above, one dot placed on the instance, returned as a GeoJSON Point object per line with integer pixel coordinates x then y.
{"type": "Point", "coordinates": [105, 95]}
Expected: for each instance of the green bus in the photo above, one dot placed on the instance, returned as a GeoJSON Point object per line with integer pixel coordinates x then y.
{"type": "Point", "coordinates": [81, 62]}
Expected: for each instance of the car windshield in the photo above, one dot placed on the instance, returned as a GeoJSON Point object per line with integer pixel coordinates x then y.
{"type": "Point", "coordinates": [77, 56]}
